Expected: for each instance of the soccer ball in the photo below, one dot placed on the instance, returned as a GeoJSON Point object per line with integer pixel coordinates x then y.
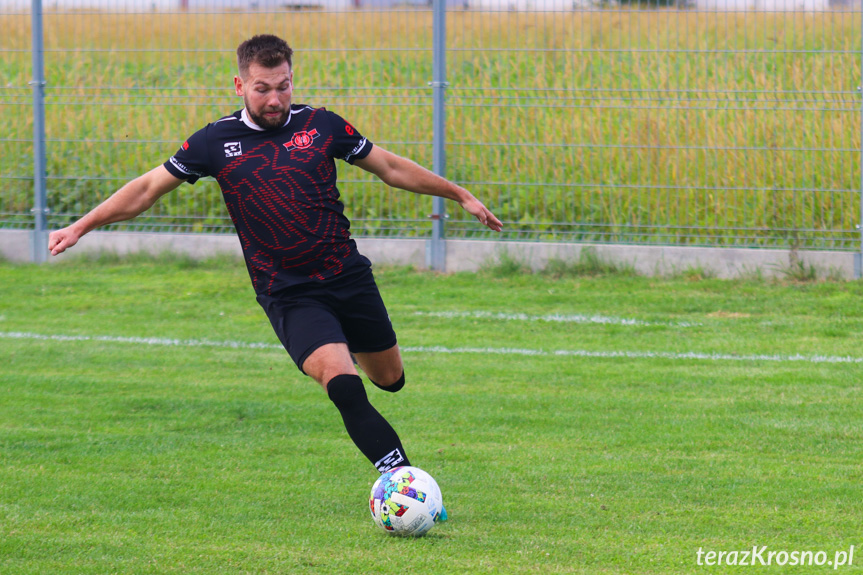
{"type": "Point", "coordinates": [405, 501]}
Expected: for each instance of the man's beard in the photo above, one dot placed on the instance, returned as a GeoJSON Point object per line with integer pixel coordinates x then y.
{"type": "Point", "coordinates": [268, 123]}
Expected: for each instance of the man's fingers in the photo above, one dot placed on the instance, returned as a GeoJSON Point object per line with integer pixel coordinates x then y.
{"type": "Point", "coordinates": [59, 241]}
{"type": "Point", "coordinates": [491, 221]}
{"type": "Point", "coordinates": [54, 241]}
{"type": "Point", "coordinates": [483, 214]}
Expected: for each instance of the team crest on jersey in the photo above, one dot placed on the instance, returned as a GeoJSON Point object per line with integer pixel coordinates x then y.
{"type": "Point", "coordinates": [233, 149]}
{"type": "Point", "coordinates": [302, 140]}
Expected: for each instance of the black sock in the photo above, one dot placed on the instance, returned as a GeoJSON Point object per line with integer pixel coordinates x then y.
{"type": "Point", "coordinates": [368, 429]}
{"type": "Point", "coordinates": [394, 387]}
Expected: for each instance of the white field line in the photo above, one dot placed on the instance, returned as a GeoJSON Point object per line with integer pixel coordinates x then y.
{"type": "Point", "coordinates": [559, 318]}
{"type": "Point", "coordinates": [640, 354]}
{"type": "Point", "coordinates": [452, 350]}
{"type": "Point", "coordinates": [141, 340]}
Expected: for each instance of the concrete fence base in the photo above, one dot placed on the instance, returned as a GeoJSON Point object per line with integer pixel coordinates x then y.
{"type": "Point", "coordinates": [470, 255]}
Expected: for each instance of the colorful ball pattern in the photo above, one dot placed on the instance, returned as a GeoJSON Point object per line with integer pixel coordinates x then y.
{"type": "Point", "coordinates": [405, 501]}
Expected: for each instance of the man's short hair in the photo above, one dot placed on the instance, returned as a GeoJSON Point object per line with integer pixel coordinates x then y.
{"type": "Point", "coordinates": [264, 50]}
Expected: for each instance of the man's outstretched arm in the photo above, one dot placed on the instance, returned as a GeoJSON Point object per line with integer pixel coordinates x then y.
{"type": "Point", "coordinates": [129, 201]}
{"type": "Point", "coordinates": [403, 173]}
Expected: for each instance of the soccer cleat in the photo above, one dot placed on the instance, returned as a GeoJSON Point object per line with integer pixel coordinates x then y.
{"type": "Point", "coordinates": [442, 517]}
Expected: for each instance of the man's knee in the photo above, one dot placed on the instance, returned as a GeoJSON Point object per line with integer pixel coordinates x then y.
{"type": "Point", "coordinates": [394, 386]}
{"type": "Point", "coordinates": [328, 361]}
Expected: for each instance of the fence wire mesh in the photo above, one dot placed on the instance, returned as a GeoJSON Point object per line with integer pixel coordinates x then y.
{"type": "Point", "coordinates": [711, 123]}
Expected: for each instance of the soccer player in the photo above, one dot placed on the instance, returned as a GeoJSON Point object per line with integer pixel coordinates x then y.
{"type": "Point", "coordinates": [275, 163]}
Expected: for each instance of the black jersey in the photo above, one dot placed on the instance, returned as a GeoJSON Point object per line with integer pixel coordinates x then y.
{"type": "Point", "coordinates": [280, 190]}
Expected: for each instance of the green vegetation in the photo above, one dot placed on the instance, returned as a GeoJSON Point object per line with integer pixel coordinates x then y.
{"type": "Point", "coordinates": [177, 453]}
{"type": "Point", "coordinates": [659, 125]}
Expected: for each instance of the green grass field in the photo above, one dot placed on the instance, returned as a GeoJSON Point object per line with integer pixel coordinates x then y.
{"type": "Point", "coordinates": [576, 424]}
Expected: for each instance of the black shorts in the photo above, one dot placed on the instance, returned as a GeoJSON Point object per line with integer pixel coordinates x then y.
{"type": "Point", "coordinates": [345, 309]}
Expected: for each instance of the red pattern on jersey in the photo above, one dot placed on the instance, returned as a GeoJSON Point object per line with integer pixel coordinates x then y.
{"type": "Point", "coordinates": [287, 212]}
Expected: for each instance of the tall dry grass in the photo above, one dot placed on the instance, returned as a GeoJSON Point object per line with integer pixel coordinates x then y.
{"type": "Point", "coordinates": [612, 125]}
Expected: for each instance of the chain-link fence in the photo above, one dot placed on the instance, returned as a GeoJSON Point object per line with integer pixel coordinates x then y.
{"type": "Point", "coordinates": [713, 122]}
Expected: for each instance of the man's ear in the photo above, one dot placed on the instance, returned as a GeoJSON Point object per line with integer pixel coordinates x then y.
{"type": "Point", "coordinates": [238, 85]}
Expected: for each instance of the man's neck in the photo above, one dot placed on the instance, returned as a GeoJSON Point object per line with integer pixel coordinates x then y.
{"type": "Point", "coordinates": [247, 120]}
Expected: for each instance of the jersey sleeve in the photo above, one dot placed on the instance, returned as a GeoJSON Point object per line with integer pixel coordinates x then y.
{"type": "Point", "coordinates": [348, 144]}
{"type": "Point", "coordinates": [192, 159]}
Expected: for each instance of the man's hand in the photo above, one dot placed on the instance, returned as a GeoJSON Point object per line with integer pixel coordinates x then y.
{"type": "Point", "coordinates": [61, 239]}
{"type": "Point", "coordinates": [478, 210]}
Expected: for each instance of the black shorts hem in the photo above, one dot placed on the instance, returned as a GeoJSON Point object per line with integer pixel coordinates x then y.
{"type": "Point", "coordinates": [374, 349]}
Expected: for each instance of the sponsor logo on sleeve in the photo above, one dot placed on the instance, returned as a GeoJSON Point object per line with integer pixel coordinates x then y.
{"type": "Point", "coordinates": [357, 149]}
{"type": "Point", "coordinates": [184, 169]}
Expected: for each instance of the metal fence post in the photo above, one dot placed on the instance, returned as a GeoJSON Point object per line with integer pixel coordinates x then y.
{"type": "Point", "coordinates": [858, 257]}
{"type": "Point", "coordinates": [436, 250]}
{"type": "Point", "coordinates": [40, 204]}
